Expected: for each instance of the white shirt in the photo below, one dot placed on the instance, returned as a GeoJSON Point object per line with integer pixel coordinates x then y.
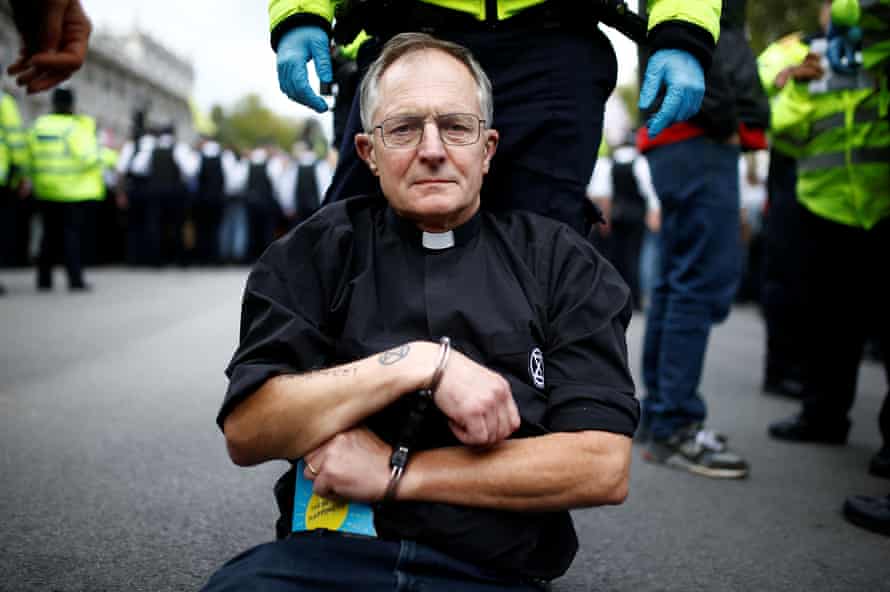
{"type": "Point", "coordinates": [286, 188]}
{"type": "Point", "coordinates": [234, 171]}
{"type": "Point", "coordinates": [136, 160]}
{"type": "Point", "coordinates": [600, 185]}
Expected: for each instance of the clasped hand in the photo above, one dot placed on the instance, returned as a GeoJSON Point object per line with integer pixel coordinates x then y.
{"type": "Point", "coordinates": [478, 403]}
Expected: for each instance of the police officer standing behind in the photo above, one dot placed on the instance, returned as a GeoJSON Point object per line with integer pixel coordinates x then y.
{"type": "Point", "coordinates": [551, 69]}
{"type": "Point", "coordinates": [66, 172]}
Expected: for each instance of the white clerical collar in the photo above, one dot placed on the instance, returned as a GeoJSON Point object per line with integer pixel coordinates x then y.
{"type": "Point", "coordinates": [438, 241]}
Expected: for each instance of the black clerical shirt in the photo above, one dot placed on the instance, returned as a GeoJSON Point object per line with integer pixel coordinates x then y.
{"type": "Point", "coordinates": [523, 295]}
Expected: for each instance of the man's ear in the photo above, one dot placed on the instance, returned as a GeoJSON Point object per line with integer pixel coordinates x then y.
{"type": "Point", "coordinates": [491, 146]}
{"type": "Point", "coordinates": [365, 148]}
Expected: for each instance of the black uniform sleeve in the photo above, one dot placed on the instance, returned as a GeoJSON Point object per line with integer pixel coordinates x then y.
{"type": "Point", "coordinates": [686, 36]}
{"type": "Point", "coordinates": [283, 313]}
{"type": "Point", "coordinates": [300, 19]}
{"type": "Point", "coordinates": [591, 387]}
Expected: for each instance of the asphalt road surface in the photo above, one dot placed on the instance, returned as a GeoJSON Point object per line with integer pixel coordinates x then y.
{"type": "Point", "coordinates": [114, 476]}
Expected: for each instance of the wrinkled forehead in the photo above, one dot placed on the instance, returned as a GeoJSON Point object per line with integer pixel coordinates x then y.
{"type": "Point", "coordinates": [428, 80]}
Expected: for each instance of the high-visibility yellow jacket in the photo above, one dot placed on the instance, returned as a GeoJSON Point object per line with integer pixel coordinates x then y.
{"type": "Point", "coordinates": [65, 163]}
{"type": "Point", "coordinates": [840, 129]}
{"type": "Point", "coordinates": [842, 140]}
{"type": "Point", "coordinates": [13, 151]}
{"type": "Point", "coordinates": [703, 13]}
{"type": "Point", "coordinates": [786, 52]}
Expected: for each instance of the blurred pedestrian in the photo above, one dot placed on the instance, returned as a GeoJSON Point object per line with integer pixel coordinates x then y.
{"type": "Point", "coordinates": [694, 169]}
{"type": "Point", "coordinates": [264, 212]}
{"type": "Point", "coordinates": [13, 163]}
{"type": "Point", "coordinates": [207, 207]}
{"type": "Point", "coordinates": [552, 71]}
{"type": "Point", "coordinates": [788, 59]}
{"type": "Point", "coordinates": [302, 184]}
{"type": "Point", "coordinates": [66, 171]}
{"type": "Point", "coordinates": [626, 184]}
{"type": "Point", "coordinates": [842, 127]}
{"type": "Point", "coordinates": [158, 169]}
{"type": "Point", "coordinates": [234, 228]}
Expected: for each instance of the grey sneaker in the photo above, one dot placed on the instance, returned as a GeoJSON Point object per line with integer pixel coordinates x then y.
{"type": "Point", "coordinates": [698, 451]}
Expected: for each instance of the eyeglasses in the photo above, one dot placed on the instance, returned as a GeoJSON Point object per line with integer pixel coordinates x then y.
{"type": "Point", "coordinates": [406, 131]}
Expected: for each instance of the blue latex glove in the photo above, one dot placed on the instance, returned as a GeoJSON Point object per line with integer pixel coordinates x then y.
{"type": "Point", "coordinates": [682, 75]}
{"type": "Point", "coordinates": [295, 49]}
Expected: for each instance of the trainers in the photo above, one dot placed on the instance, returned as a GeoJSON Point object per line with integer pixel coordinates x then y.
{"type": "Point", "coordinates": [698, 451]}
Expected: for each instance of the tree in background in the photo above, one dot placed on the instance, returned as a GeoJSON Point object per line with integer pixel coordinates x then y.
{"type": "Point", "coordinates": [249, 122]}
{"type": "Point", "coordinates": [769, 20]}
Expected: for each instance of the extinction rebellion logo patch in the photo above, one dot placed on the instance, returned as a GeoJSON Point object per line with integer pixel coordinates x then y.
{"type": "Point", "coordinates": [536, 367]}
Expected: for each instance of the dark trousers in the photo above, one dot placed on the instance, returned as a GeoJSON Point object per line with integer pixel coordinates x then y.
{"type": "Point", "coordinates": [62, 239]}
{"type": "Point", "coordinates": [623, 247]}
{"type": "Point", "coordinates": [324, 561]}
{"type": "Point", "coordinates": [8, 226]}
{"type": "Point", "coordinates": [781, 292]}
{"type": "Point", "coordinates": [206, 216]}
{"type": "Point", "coordinates": [549, 97]}
{"type": "Point", "coordinates": [847, 288]}
{"type": "Point", "coordinates": [144, 229]}
{"type": "Point", "coordinates": [700, 255]}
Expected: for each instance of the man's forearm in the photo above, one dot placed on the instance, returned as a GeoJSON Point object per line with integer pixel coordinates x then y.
{"type": "Point", "coordinates": [545, 473]}
{"type": "Point", "coordinates": [293, 414]}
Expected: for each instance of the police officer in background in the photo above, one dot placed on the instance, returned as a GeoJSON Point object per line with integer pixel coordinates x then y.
{"type": "Point", "coordinates": [13, 161]}
{"type": "Point", "coordinates": [264, 213]}
{"type": "Point", "coordinates": [207, 205]}
{"type": "Point", "coordinates": [842, 125]}
{"type": "Point", "coordinates": [66, 172]}
{"type": "Point", "coordinates": [551, 68]}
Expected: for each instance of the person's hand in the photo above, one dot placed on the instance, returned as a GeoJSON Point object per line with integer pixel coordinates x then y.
{"type": "Point", "coordinates": [24, 189]}
{"type": "Point", "coordinates": [295, 49]}
{"type": "Point", "coordinates": [55, 35]}
{"type": "Point", "coordinates": [684, 80]}
{"type": "Point", "coordinates": [809, 69]}
{"type": "Point", "coordinates": [352, 466]}
{"type": "Point", "coordinates": [478, 402]}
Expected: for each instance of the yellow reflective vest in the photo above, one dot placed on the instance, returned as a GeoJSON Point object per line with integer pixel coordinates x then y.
{"type": "Point", "coordinates": [840, 129]}
{"type": "Point", "coordinates": [65, 161]}
{"type": "Point", "coordinates": [704, 13]}
{"type": "Point", "coordinates": [13, 151]}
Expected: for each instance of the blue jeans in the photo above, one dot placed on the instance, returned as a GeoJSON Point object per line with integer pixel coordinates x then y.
{"type": "Point", "coordinates": [700, 254]}
{"type": "Point", "coordinates": [233, 232]}
{"type": "Point", "coordinates": [321, 560]}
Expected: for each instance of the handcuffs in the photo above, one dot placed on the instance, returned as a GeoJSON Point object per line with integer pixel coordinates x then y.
{"type": "Point", "coordinates": [408, 435]}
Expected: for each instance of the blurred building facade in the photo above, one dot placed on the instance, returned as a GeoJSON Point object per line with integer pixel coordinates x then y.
{"type": "Point", "coordinates": [122, 75]}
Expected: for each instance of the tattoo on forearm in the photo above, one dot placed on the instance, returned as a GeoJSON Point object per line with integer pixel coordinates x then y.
{"type": "Point", "coordinates": [390, 357]}
{"type": "Point", "coordinates": [342, 371]}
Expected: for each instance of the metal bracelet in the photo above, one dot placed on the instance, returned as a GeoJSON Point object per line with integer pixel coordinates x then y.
{"type": "Point", "coordinates": [444, 353]}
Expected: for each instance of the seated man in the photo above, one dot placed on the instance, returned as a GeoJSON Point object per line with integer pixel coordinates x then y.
{"type": "Point", "coordinates": [531, 406]}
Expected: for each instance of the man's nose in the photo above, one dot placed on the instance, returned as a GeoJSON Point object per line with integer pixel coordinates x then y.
{"type": "Point", "coordinates": [431, 148]}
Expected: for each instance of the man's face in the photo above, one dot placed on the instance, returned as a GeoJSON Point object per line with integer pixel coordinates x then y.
{"type": "Point", "coordinates": [433, 183]}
